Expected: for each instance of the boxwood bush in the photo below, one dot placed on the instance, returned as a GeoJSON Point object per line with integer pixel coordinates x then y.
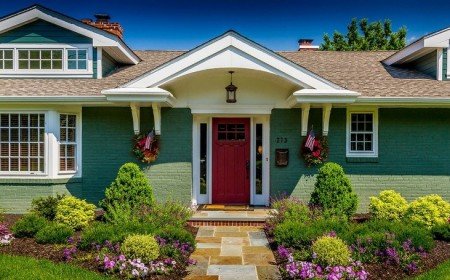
{"type": "Point", "coordinates": [28, 225]}
{"type": "Point", "coordinates": [333, 191]}
{"type": "Point", "coordinates": [430, 210]}
{"type": "Point", "coordinates": [54, 233]}
{"type": "Point", "coordinates": [389, 205]}
{"type": "Point", "coordinates": [142, 247]}
{"type": "Point", "coordinates": [331, 251]}
{"type": "Point", "coordinates": [74, 212]}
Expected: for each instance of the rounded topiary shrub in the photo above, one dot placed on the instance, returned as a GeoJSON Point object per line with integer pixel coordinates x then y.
{"type": "Point", "coordinates": [28, 225]}
{"type": "Point", "coordinates": [74, 212]}
{"type": "Point", "coordinates": [331, 251]}
{"type": "Point", "coordinates": [389, 205]}
{"type": "Point", "coordinates": [54, 233]}
{"type": "Point", "coordinates": [430, 210]}
{"type": "Point", "coordinates": [131, 187]}
{"type": "Point", "coordinates": [142, 247]}
{"type": "Point", "coordinates": [333, 191]}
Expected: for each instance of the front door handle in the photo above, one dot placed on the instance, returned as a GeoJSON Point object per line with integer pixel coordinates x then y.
{"type": "Point", "coordinates": [247, 167]}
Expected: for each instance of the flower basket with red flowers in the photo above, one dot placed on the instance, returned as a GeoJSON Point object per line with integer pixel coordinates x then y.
{"type": "Point", "coordinates": [146, 147]}
{"type": "Point", "coordinates": [318, 155]}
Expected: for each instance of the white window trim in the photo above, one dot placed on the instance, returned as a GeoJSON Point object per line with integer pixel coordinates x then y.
{"type": "Point", "coordinates": [53, 73]}
{"type": "Point", "coordinates": [78, 141]}
{"type": "Point", "coordinates": [374, 112]}
{"type": "Point", "coordinates": [51, 144]}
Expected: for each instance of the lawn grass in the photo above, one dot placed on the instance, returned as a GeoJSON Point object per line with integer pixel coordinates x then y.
{"type": "Point", "coordinates": [22, 268]}
{"type": "Point", "coordinates": [441, 272]}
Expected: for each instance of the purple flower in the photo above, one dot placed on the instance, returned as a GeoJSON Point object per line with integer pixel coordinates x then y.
{"type": "Point", "coordinates": [283, 252]}
{"type": "Point", "coordinates": [108, 263]}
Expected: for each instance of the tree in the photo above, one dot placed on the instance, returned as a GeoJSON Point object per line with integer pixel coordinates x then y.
{"type": "Point", "coordinates": [365, 36]}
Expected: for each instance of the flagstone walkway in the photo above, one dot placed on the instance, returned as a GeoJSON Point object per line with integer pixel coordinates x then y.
{"type": "Point", "coordinates": [232, 252]}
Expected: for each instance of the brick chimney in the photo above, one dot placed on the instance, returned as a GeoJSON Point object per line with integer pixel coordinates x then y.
{"type": "Point", "coordinates": [102, 22]}
{"type": "Point", "coordinates": [306, 45]}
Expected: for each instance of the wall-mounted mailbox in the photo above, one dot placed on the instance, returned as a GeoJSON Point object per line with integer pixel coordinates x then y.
{"type": "Point", "coordinates": [281, 157]}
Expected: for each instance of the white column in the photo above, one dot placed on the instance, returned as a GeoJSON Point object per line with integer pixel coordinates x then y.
{"type": "Point", "coordinates": [326, 111]}
{"type": "Point", "coordinates": [305, 116]}
{"type": "Point", "coordinates": [99, 63]}
{"type": "Point", "coordinates": [157, 118]}
{"type": "Point", "coordinates": [439, 63]}
{"type": "Point", "coordinates": [52, 143]}
{"type": "Point", "coordinates": [136, 114]}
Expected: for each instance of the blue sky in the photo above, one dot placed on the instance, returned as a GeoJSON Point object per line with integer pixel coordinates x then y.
{"type": "Point", "coordinates": [278, 24]}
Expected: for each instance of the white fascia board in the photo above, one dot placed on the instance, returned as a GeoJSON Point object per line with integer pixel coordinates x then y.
{"type": "Point", "coordinates": [99, 37]}
{"type": "Point", "coordinates": [230, 39]}
{"type": "Point", "coordinates": [405, 52]}
{"type": "Point", "coordinates": [55, 99]}
{"type": "Point", "coordinates": [154, 95]}
{"type": "Point", "coordinates": [404, 100]}
{"type": "Point", "coordinates": [312, 96]}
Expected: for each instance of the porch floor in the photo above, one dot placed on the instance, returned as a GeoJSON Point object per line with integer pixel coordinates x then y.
{"type": "Point", "coordinates": [256, 215]}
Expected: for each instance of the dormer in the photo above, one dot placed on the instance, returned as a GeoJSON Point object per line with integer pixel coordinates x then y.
{"type": "Point", "coordinates": [428, 55]}
{"type": "Point", "coordinates": [40, 43]}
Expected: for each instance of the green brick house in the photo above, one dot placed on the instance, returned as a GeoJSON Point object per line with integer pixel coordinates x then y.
{"type": "Point", "coordinates": [73, 95]}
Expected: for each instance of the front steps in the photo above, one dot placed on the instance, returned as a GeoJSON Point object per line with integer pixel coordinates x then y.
{"type": "Point", "coordinates": [257, 217]}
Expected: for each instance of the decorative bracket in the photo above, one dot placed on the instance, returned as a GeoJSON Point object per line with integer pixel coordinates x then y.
{"type": "Point", "coordinates": [326, 112]}
{"type": "Point", "coordinates": [157, 118]}
{"type": "Point", "coordinates": [305, 116]}
{"type": "Point", "coordinates": [136, 114]}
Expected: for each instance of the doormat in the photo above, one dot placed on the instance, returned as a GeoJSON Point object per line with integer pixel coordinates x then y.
{"type": "Point", "coordinates": [222, 207]}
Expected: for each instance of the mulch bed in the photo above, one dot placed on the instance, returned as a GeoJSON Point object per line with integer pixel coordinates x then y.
{"type": "Point", "coordinates": [29, 247]}
{"type": "Point", "coordinates": [380, 271]}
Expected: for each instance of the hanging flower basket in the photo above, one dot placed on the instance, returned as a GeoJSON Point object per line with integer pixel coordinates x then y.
{"type": "Point", "coordinates": [318, 155]}
{"type": "Point", "coordinates": [146, 147]}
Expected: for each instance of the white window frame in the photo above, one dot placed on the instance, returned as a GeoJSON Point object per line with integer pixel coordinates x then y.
{"type": "Point", "coordinates": [77, 144]}
{"type": "Point", "coordinates": [362, 154]}
{"type": "Point", "coordinates": [3, 58]}
{"type": "Point", "coordinates": [31, 173]}
{"type": "Point", "coordinates": [54, 73]}
{"type": "Point", "coordinates": [51, 145]}
{"type": "Point", "coordinates": [76, 59]}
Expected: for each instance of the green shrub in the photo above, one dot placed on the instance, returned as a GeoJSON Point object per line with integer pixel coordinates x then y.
{"type": "Point", "coordinates": [46, 206]}
{"type": "Point", "coordinates": [28, 225]}
{"type": "Point", "coordinates": [173, 233]}
{"type": "Point", "coordinates": [169, 213]}
{"type": "Point", "coordinates": [389, 205]}
{"type": "Point", "coordinates": [142, 247]}
{"type": "Point", "coordinates": [331, 251]}
{"type": "Point", "coordinates": [54, 233]}
{"type": "Point", "coordinates": [441, 232]}
{"type": "Point", "coordinates": [430, 210]}
{"type": "Point", "coordinates": [74, 212]}
{"type": "Point", "coordinates": [130, 189]}
{"type": "Point", "coordinates": [333, 191]}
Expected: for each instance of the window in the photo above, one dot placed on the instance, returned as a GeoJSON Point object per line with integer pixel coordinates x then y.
{"type": "Point", "coordinates": [231, 132]}
{"type": "Point", "coordinates": [6, 59]}
{"type": "Point", "coordinates": [77, 59]}
{"type": "Point", "coordinates": [259, 158]}
{"type": "Point", "coordinates": [203, 157]}
{"type": "Point", "coordinates": [41, 59]}
{"type": "Point", "coordinates": [362, 134]}
{"type": "Point", "coordinates": [68, 144]}
{"type": "Point", "coordinates": [22, 138]}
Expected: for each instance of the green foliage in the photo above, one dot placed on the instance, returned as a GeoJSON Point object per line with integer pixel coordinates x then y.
{"type": "Point", "coordinates": [441, 232]}
{"type": "Point", "coordinates": [46, 206]}
{"type": "Point", "coordinates": [130, 189]}
{"type": "Point", "coordinates": [365, 36]}
{"type": "Point", "coordinates": [173, 233]}
{"type": "Point", "coordinates": [331, 251]}
{"type": "Point", "coordinates": [299, 235]}
{"type": "Point", "coordinates": [287, 208]}
{"type": "Point", "coordinates": [28, 225]}
{"type": "Point", "coordinates": [98, 232]}
{"type": "Point", "coordinates": [333, 191]}
{"type": "Point", "coordinates": [74, 212]}
{"type": "Point", "coordinates": [169, 213]}
{"type": "Point", "coordinates": [430, 210]}
{"type": "Point", "coordinates": [143, 247]}
{"type": "Point", "coordinates": [389, 205]}
{"type": "Point", "coordinates": [54, 233]}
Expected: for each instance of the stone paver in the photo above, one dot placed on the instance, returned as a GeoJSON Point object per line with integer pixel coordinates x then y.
{"type": "Point", "coordinates": [228, 253]}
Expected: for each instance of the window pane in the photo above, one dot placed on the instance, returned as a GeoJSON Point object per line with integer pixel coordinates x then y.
{"type": "Point", "coordinates": [23, 64]}
{"type": "Point", "coordinates": [71, 54]}
{"type": "Point", "coordinates": [23, 54]}
{"type": "Point", "coordinates": [8, 54]}
{"type": "Point", "coordinates": [67, 138]}
{"type": "Point", "coordinates": [57, 54]}
{"type": "Point", "coordinates": [8, 64]}
{"type": "Point", "coordinates": [35, 54]}
{"type": "Point", "coordinates": [72, 64]}
{"type": "Point", "coordinates": [34, 64]}
{"type": "Point", "coordinates": [46, 64]}
{"type": "Point", "coordinates": [259, 158]}
{"type": "Point", "coordinates": [203, 157]}
{"type": "Point", "coordinates": [82, 54]}
{"type": "Point", "coordinates": [56, 64]}
{"type": "Point", "coordinates": [46, 54]}
{"type": "Point", "coordinates": [82, 64]}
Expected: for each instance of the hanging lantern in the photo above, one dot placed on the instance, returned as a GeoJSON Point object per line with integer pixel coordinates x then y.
{"type": "Point", "coordinates": [231, 90]}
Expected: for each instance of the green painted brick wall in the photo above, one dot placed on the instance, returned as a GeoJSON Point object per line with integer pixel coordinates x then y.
{"type": "Point", "coordinates": [107, 134]}
{"type": "Point", "coordinates": [414, 157]}
{"type": "Point", "coordinates": [40, 31]}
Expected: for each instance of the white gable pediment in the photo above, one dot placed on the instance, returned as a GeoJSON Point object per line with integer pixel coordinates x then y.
{"type": "Point", "coordinates": [231, 51]}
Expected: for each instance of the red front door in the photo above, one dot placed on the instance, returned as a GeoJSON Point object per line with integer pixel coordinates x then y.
{"type": "Point", "coordinates": [231, 161]}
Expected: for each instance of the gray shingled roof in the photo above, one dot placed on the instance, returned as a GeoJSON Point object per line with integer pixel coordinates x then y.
{"type": "Point", "coordinates": [358, 71]}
